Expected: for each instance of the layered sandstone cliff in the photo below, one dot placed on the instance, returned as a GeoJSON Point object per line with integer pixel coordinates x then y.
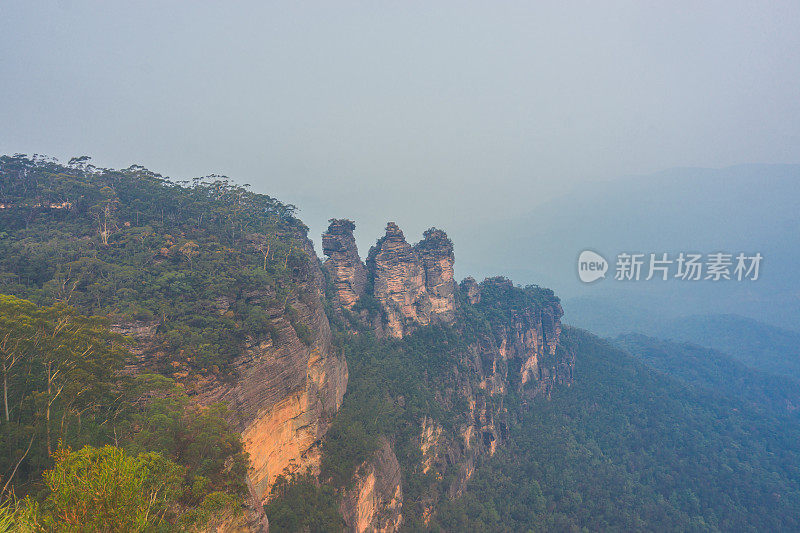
{"type": "Point", "coordinates": [520, 351]}
{"type": "Point", "coordinates": [347, 272]}
{"type": "Point", "coordinates": [286, 390]}
{"type": "Point", "coordinates": [398, 280]}
{"type": "Point", "coordinates": [436, 252]}
{"type": "Point", "coordinates": [374, 503]}
{"type": "Point", "coordinates": [413, 285]}
{"type": "Point", "coordinates": [282, 390]}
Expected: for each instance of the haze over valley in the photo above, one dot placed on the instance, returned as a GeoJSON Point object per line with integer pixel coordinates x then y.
{"type": "Point", "coordinates": [371, 267]}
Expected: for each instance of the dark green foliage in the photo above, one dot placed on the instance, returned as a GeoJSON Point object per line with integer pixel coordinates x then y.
{"type": "Point", "coordinates": [367, 302]}
{"type": "Point", "coordinates": [495, 501]}
{"type": "Point", "coordinates": [393, 385]}
{"type": "Point", "coordinates": [58, 384]}
{"type": "Point", "coordinates": [299, 503]}
{"type": "Point", "coordinates": [716, 372]}
{"type": "Point", "coordinates": [198, 438]}
{"type": "Point", "coordinates": [128, 243]}
{"type": "Point", "coordinates": [626, 448]}
{"type": "Point", "coordinates": [764, 347]}
{"type": "Point", "coordinates": [501, 301]}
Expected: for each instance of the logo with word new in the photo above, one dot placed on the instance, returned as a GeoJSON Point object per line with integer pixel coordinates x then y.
{"type": "Point", "coordinates": [591, 266]}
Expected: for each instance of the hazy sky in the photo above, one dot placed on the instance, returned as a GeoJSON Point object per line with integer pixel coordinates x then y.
{"type": "Point", "coordinates": [428, 113]}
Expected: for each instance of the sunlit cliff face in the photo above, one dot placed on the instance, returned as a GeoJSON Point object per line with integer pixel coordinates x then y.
{"type": "Point", "coordinates": [414, 285]}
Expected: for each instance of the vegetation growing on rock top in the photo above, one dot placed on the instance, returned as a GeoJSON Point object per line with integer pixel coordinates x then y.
{"type": "Point", "coordinates": [491, 419]}
{"type": "Point", "coordinates": [132, 244]}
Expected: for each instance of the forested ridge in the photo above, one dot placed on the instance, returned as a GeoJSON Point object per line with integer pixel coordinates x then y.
{"type": "Point", "coordinates": [82, 248]}
{"type": "Point", "coordinates": [647, 435]}
{"type": "Point", "coordinates": [628, 448]}
{"type": "Point", "coordinates": [625, 448]}
{"type": "Point", "coordinates": [131, 243]}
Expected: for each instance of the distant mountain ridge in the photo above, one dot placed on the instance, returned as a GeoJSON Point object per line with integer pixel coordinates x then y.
{"type": "Point", "coordinates": [764, 347]}
{"type": "Point", "coordinates": [745, 208]}
{"type": "Point", "coordinates": [767, 348]}
{"type": "Point", "coordinates": [716, 372]}
{"type": "Point", "coordinates": [382, 395]}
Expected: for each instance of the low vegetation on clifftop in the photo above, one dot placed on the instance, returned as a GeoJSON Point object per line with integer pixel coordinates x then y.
{"type": "Point", "coordinates": [177, 358]}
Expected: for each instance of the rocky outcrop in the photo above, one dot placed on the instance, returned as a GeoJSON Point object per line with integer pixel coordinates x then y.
{"type": "Point", "coordinates": [282, 390]}
{"type": "Point", "coordinates": [399, 282]}
{"type": "Point", "coordinates": [286, 391]}
{"type": "Point", "coordinates": [436, 252]}
{"type": "Point", "coordinates": [519, 352]}
{"type": "Point", "coordinates": [522, 349]}
{"type": "Point", "coordinates": [413, 284]}
{"type": "Point", "coordinates": [347, 272]}
{"type": "Point", "coordinates": [453, 453]}
{"type": "Point", "coordinates": [471, 290]}
{"type": "Point", "coordinates": [374, 503]}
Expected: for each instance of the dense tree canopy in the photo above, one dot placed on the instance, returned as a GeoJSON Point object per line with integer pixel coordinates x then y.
{"type": "Point", "coordinates": [671, 438]}
{"type": "Point", "coordinates": [131, 244]}
{"type": "Point", "coordinates": [84, 250]}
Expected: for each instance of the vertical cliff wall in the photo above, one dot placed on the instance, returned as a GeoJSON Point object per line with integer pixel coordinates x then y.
{"type": "Point", "coordinates": [348, 274]}
{"type": "Point", "coordinates": [514, 348]}
{"type": "Point", "coordinates": [525, 330]}
{"type": "Point", "coordinates": [374, 503]}
{"type": "Point", "coordinates": [287, 389]}
{"type": "Point", "coordinates": [282, 390]}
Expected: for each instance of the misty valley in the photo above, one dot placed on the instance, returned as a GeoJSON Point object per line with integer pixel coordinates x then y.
{"type": "Point", "coordinates": [177, 357]}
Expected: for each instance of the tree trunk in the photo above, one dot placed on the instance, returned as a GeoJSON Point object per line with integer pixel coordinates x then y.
{"type": "Point", "coordinates": [5, 390]}
{"type": "Point", "coordinates": [47, 416]}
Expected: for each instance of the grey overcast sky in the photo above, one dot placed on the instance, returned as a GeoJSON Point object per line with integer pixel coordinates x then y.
{"type": "Point", "coordinates": [428, 113]}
